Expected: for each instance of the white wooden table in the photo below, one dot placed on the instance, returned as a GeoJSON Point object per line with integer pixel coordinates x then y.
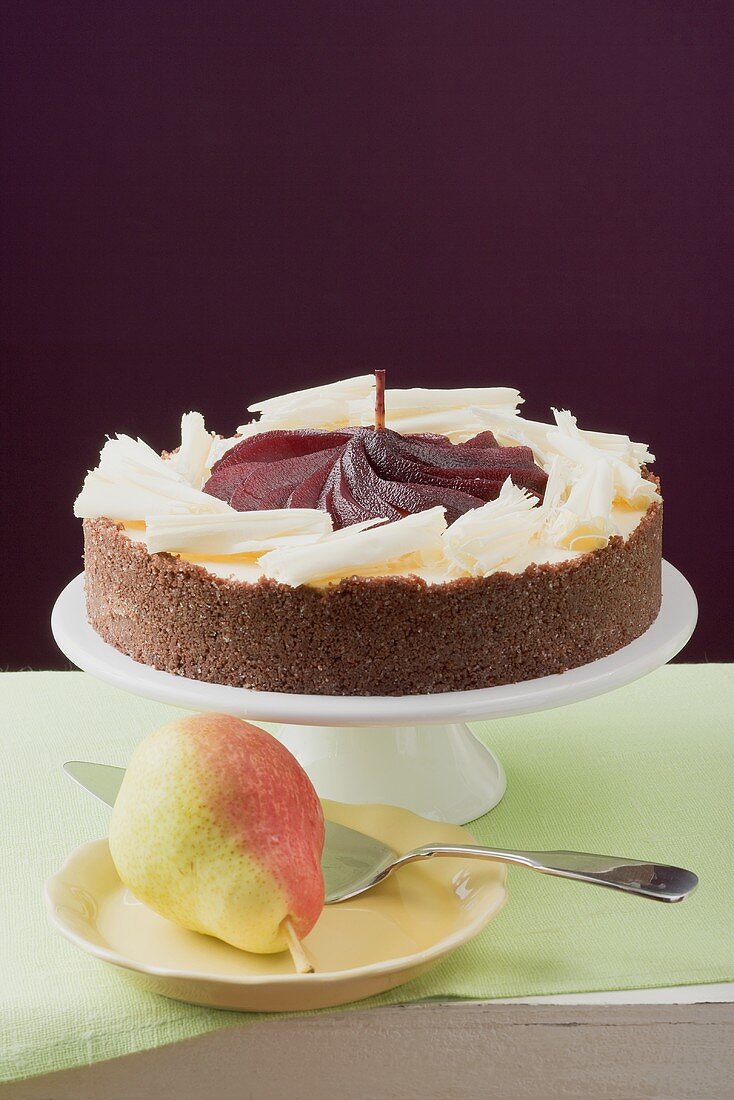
{"type": "Point", "coordinates": [674, 1044]}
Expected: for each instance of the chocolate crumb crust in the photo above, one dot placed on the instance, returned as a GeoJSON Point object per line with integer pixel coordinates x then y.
{"type": "Point", "coordinates": [371, 636]}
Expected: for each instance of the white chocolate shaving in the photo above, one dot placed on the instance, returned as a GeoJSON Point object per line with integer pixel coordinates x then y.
{"type": "Point", "coordinates": [628, 483]}
{"type": "Point", "coordinates": [251, 533]}
{"type": "Point", "coordinates": [328, 407]}
{"type": "Point", "coordinates": [483, 539]}
{"type": "Point", "coordinates": [579, 512]}
{"type": "Point", "coordinates": [359, 550]}
{"type": "Point", "coordinates": [192, 458]}
{"type": "Point", "coordinates": [511, 430]}
{"type": "Point", "coordinates": [132, 481]}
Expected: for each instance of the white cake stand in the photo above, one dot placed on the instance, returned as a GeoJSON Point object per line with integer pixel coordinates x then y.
{"type": "Point", "coordinates": [414, 751]}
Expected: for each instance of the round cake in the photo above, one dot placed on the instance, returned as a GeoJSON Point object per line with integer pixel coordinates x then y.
{"type": "Point", "coordinates": [331, 548]}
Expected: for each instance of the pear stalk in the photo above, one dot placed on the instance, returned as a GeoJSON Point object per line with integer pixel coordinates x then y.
{"type": "Point", "coordinates": [299, 956]}
{"type": "Point", "coordinates": [379, 399]}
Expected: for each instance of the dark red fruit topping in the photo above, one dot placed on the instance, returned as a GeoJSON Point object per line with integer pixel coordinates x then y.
{"type": "Point", "coordinates": [364, 473]}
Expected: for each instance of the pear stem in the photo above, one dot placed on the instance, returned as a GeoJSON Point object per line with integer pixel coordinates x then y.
{"type": "Point", "coordinates": [299, 956]}
{"type": "Point", "coordinates": [379, 399]}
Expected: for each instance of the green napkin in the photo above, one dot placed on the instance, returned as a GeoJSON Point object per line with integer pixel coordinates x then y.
{"type": "Point", "coordinates": [645, 771]}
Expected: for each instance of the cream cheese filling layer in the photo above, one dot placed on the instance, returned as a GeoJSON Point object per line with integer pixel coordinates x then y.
{"type": "Point", "coordinates": [247, 568]}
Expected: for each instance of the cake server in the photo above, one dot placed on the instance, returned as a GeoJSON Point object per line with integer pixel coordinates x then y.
{"type": "Point", "coordinates": [353, 862]}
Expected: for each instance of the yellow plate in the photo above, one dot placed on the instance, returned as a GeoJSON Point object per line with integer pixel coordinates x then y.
{"type": "Point", "coordinates": [359, 948]}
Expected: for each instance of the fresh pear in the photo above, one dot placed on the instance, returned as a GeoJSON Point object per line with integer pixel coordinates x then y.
{"type": "Point", "coordinates": [218, 828]}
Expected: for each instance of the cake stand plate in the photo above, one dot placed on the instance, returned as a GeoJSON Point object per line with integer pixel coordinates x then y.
{"type": "Point", "coordinates": [414, 751]}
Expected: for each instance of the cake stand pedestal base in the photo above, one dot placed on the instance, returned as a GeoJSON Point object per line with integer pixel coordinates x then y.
{"type": "Point", "coordinates": [413, 751]}
{"type": "Point", "coordinates": [440, 772]}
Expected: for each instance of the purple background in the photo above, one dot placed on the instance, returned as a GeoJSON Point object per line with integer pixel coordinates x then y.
{"type": "Point", "coordinates": [210, 203]}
